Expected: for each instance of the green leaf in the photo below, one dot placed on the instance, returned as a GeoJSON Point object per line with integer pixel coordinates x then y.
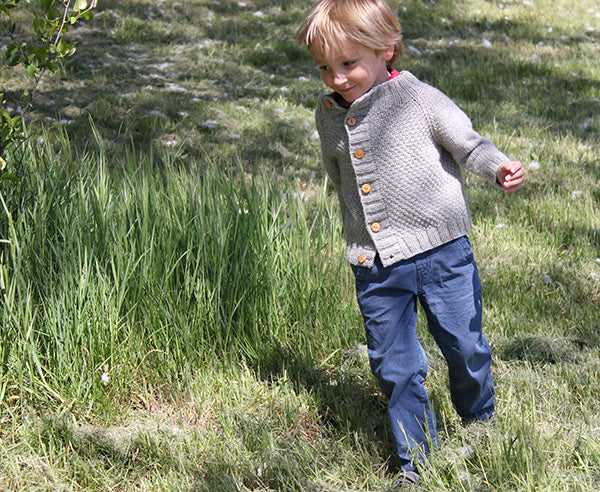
{"type": "Point", "coordinates": [39, 26]}
{"type": "Point", "coordinates": [47, 4]}
{"type": "Point", "coordinates": [53, 13]}
{"type": "Point", "coordinates": [62, 46]}
{"type": "Point", "coordinates": [80, 5]}
{"type": "Point", "coordinates": [11, 49]}
{"type": "Point", "coordinates": [14, 61]}
{"type": "Point", "coordinates": [41, 54]}
{"type": "Point", "coordinates": [5, 115]}
{"type": "Point", "coordinates": [31, 70]}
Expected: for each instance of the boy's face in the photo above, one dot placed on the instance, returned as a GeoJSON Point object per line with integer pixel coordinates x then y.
{"type": "Point", "coordinates": [354, 70]}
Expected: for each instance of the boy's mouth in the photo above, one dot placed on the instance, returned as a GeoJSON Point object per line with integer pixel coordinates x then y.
{"type": "Point", "coordinates": [346, 90]}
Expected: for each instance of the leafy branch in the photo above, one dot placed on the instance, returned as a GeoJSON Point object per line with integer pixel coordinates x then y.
{"type": "Point", "coordinates": [44, 54]}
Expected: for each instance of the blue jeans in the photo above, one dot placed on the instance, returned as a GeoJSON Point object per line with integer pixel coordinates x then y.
{"type": "Point", "coordinates": [446, 283]}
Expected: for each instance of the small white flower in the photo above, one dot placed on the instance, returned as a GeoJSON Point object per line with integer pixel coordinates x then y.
{"type": "Point", "coordinates": [314, 136]}
{"type": "Point", "coordinates": [105, 378]}
{"type": "Point", "coordinates": [171, 141]}
{"type": "Point", "coordinates": [595, 276]}
{"type": "Point", "coordinates": [487, 43]}
{"type": "Point", "coordinates": [467, 451]}
{"type": "Point", "coordinates": [576, 194]}
{"type": "Point", "coordinates": [547, 279]}
{"type": "Point", "coordinates": [414, 49]}
{"type": "Point", "coordinates": [535, 57]}
{"type": "Point", "coordinates": [533, 165]}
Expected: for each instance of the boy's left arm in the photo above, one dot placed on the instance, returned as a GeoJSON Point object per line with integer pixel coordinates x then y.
{"type": "Point", "coordinates": [510, 176]}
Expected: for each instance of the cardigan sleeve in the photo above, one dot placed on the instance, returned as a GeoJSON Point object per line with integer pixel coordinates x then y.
{"type": "Point", "coordinates": [329, 161]}
{"type": "Point", "coordinates": [454, 131]}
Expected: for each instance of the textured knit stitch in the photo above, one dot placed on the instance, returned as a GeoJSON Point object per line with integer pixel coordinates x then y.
{"type": "Point", "coordinates": [412, 141]}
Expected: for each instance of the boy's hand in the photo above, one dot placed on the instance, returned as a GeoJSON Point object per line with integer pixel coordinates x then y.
{"type": "Point", "coordinates": [510, 175]}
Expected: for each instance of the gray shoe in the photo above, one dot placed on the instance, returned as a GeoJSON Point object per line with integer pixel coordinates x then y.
{"type": "Point", "coordinates": [408, 480]}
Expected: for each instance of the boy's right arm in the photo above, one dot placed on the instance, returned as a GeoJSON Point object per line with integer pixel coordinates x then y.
{"type": "Point", "coordinates": [329, 161]}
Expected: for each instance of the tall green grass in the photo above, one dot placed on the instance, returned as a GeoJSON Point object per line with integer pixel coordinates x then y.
{"type": "Point", "coordinates": [155, 269]}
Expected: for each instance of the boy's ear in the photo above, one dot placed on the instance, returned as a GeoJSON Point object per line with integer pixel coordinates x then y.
{"type": "Point", "coordinates": [388, 53]}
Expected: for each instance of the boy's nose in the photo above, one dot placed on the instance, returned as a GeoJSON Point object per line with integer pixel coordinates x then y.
{"type": "Point", "coordinates": [339, 78]}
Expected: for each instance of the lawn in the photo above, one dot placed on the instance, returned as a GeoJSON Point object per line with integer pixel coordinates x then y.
{"type": "Point", "coordinates": [177, 312]}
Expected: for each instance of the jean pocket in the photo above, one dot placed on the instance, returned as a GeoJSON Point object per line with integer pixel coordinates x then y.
{"type": "Point", "coordinates": [465, 246]}
{"type": "Point", "coordinates": [360, 273]}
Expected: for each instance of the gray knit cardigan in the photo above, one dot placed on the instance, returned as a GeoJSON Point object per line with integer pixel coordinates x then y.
{"type": "Point", "coordinates": [394, 159]}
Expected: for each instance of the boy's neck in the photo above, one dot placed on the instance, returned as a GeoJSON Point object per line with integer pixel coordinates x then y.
{"type": "Point", "coordinates": [393, 73]}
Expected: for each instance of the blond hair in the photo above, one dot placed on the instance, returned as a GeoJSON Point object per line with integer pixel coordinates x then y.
{"type": "Point", "coordinates": [332, 24]}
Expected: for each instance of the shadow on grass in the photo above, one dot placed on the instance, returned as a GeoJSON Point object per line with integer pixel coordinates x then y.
{"type": "Point", "coordinates": [348, 400]}
{"type": "Point", "coordinates": [540, 349]}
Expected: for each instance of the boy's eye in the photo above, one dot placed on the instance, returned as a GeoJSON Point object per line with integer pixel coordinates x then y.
{"type": "Point", "coordinates": [349, 63]}
{"type": "Point", "coordinates": [323, 68]}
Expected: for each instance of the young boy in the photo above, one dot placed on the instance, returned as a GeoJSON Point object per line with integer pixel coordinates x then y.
{"type": "Point", "coordinates": [393, 148]}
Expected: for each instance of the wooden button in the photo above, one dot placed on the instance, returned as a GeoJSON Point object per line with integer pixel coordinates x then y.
{"type": "Point", "coordinates": [351, 121]}
{"type": "Point", "coordinates": [362, 259]}
{"type": "Point", "coordinates": [359, 153]}
{"type": "Point", "coordinates": [327, 103]}
{"type": "Point", "coordinates": [365, 188]}
{"type": "Point", "coordinates": [375, 226]}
